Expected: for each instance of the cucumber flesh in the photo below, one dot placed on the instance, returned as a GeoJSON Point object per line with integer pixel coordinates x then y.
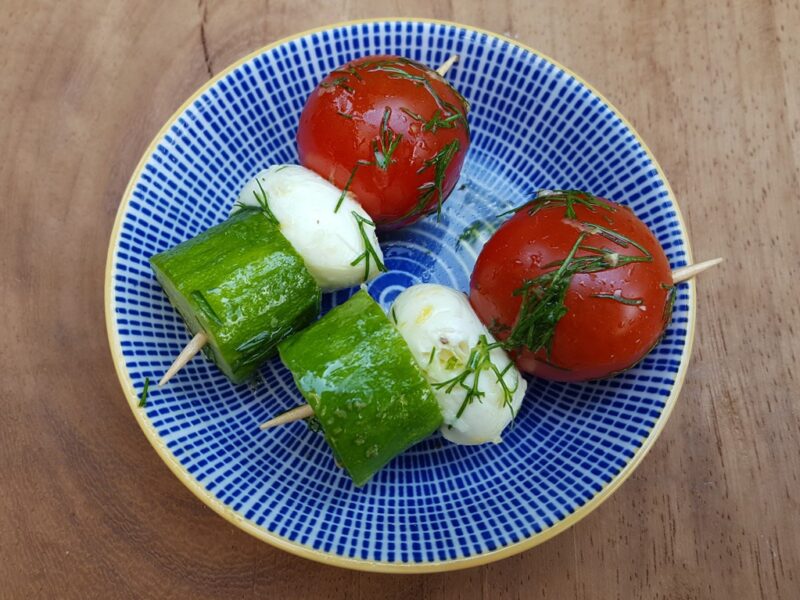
{"type": "Point", "coordinates": [243, 284]}
{"type": "Point", "coordinates": [367, 392]}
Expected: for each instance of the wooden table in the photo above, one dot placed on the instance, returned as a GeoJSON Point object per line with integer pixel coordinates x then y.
{"type": "Point", "coordinates": [89, 510]}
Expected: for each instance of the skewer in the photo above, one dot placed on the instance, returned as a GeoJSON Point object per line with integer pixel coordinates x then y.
{"type": "Point", "coordinates": [200, 340]}
{"type": "Point", "coordinates": [296, 414]}
{"type": "Point", "coordinates": [689, 271]}
{"type": "Point", "coordinates": [304, 411]}
{"type": "Point", "coordinates": [193, 347]}
{"type": "Point", "coordinates": [446, 65]}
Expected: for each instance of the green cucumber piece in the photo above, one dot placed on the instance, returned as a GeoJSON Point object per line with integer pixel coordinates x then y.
{"type": "Point", "coordinates": [368, 394]}
{"type": "Point", "coordinates": [243, 284]}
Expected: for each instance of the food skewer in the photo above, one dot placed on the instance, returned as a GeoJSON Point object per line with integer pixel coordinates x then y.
{"type": "Point", "coordinates": [304, 411]}
{"type": "Point", "coordinates": [447, 64]}
{"type": "Point", "coordinates": [685, 273]}
{"type": "Point", "coordinates": [193, 347]}
{"type": "Point", "coordinates": [199, 341]}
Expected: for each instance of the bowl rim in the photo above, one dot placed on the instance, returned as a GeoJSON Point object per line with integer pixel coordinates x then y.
{"type": "Point", "coordinates": [305, 551]}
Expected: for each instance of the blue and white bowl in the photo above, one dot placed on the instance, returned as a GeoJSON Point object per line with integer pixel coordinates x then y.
{"type": "Point", "coordinates": [535, 125]}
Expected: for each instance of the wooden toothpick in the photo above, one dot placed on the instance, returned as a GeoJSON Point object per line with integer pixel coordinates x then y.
{"type": "Point", "coordinates": [296, 414]}
{"type": "Point", "coordinates": [193, 347]}
{"type": "Point", "coordinates": [689, 271]}
{"type": "Point", "coordinates": [446, 65]}
{"type": "Point", "coordinates": [304, 410]}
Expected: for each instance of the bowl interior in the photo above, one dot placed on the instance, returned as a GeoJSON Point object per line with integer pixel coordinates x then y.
{"type": "Point", "coordinates": [534, 126]}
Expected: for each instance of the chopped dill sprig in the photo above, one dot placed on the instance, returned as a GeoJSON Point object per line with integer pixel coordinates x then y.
{"type": "Point", "coordinates": [387, 142]}
{"type": "Point", "coordinates": [566, 198]}
{"type": "Point", "coordinates": [672, 291]}
{"type": "Point", "coordinates": [263, 202]}
{"type": "Point", "coordinates": [479, 360]}
{"type": "Point", "coordinates": [369, 249]}
{"type": "Point", "coordinates": [143, 397]}
{"type": "Point", "coordinates": [359, 163]}
{"type": "Point", "coordinates": [438, 121]}
{"type": "Point", "coordinates": [337, 82]}
{"type": "Point", "coordinates": [620, 298]}
{"type": "Point", "coordinates": [413, 115]}
{"type": "Point", "coordinates": [344, 114]}
{"type": "Point", "coordinates": [433, 353]}
{"type": "Point", "coordinates": [439, 161]}
{"type": "Point", "coordinates": [543, 296]}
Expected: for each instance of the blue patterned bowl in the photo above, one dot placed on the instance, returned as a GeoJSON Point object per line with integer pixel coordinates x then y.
{"type": "Point", "coordinates": [438, 506]}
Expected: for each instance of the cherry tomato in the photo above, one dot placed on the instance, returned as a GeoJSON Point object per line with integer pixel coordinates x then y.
{"type": "Point", "coordinates": [576, 286]}
{"type": "Point", "coordinates": [391, 131]}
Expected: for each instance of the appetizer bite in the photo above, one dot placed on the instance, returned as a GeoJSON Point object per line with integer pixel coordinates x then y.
{"type": "Point", "coordinates": [438, 369]}
{"type": "Point", "coordinates": [362, 130]}
{"type": "Point", "coordinates": [575, 286]}
{"type": "Point", "coordinates": [246, 284]}
{"type": "Point", "coordinates": [478, 388]}
{"type": "Point", "coordinates": [366, 391]}
{"type": "Point", "coordinates": [389, 130]}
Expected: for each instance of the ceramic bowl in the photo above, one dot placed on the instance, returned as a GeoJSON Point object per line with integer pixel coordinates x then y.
{"type": "Point", "coordinates": [535, 125]}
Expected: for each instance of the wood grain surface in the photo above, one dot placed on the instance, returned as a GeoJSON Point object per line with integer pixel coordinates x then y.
{"type": "Point", "coordinates": [87, 509]}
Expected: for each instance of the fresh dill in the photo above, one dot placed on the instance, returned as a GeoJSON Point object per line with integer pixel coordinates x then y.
{"type": "Point", "coordinates": [344, 114]}
{"type": "Point", "coordinates": [439, 162]}
{"type": "Point", "coordinates": [387, 142]}
{"type": "Point", "coordinates": [479, 360]}
{"type": "Point", "coordinates": [439, 121]}
{"type": "Point", "coordinates": [413, 115]}
{"type": "Point", "coordinates": [620, 298]}
{"type": "Point", "coordinates": [143, 397]}
{"type": "Point", "coordinates": [543, 296]}
{"type": "Point", "coordinates": [433, 353]}
{"type": "Point", "coordinates": [262, 199]}
{"type": "Point", "coordinates": [672, 295]}
{"type": "Point", "coordinates": [369, 249]}
{"type": "Point", "coordinates": [566, 198]}
{"type": "Point", "coordinates": [337, 82]}
{"type": "Point", "coordinates": [359, 163]}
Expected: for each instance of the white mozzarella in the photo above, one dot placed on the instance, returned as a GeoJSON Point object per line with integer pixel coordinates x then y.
{"type": "Point", "coordinates": [441, 329]}
{"type": "Point", "coordinates": [329, 242]}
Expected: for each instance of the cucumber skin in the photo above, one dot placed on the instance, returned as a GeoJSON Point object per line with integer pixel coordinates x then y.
{"type": "Point", "coordinates": [243, 284]}
{"type": "Point", "coordinates": [357, 373]}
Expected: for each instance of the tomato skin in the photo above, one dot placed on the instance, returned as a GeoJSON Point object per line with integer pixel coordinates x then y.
{"type": "Point", "coordinates": [343, 119]}
{"type": "Point", "coordinates": [597, 337]}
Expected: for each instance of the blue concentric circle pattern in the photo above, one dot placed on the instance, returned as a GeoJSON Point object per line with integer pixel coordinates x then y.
{"type": "Point", "coordinates": [534, 126]}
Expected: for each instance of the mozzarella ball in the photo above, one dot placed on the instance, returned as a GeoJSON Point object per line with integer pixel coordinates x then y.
{"type": "Point", "coordinates": [441, 329]}
{"type": "Point", "coordinates": [328, 240]}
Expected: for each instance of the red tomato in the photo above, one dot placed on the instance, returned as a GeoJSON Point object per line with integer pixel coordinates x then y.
{"type": "Point", "coordinates": [391, 131]}
{"type": "Point", "coordinates": [599, 287]}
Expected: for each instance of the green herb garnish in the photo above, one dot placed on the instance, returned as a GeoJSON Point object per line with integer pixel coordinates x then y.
{"type": "Point", "coordinates": [344, 114]}
{"type": "Point", "coordinates": [566, 198]}
{"type": "Point", "coordinates": [439, 161]}
{"type": "Point", "coordinates": [413, 115]}
{"type": "Point", "coordinates": [438, 121]}
{"type": "Point", "coordinates": [369, 249]}
{"type": "Point", "coordinates": [543, 296]}
{"type": "Point", "coordinates": [263, 201]}
{"type": "Point", "coordinates": [479, 360]}
{"type": "Point", "coordinates": [143, 397]}
{"type": "Point", "coordinates": [620, 298]}
{"type": "Point", "coordinates": [387, 142]}
{"type": "Point", "coordinates": [359, 163]}
{"type": "Point", "coordinates": [337, 82]}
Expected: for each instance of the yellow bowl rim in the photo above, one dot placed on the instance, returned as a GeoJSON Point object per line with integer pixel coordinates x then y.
{"type": "Point", "coordinates": [328, 558]}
